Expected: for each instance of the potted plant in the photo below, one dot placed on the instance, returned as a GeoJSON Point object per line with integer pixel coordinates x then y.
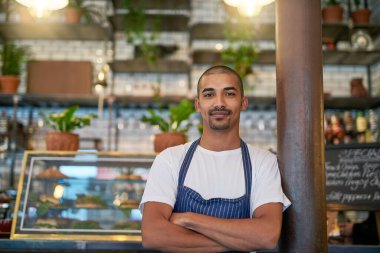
{"type": "Point", "coordinates": [173, 128]}
{"type": "Point", "coordinates": [12, 58]}
{"type": "Point", "coordinates": [77, 8]}
{"type": "Point", "coordinates": [63, 124]}
{"type": "Point", "coordinates": [332, 11]}
{"type": "Point", "coordinates": [361, 14]}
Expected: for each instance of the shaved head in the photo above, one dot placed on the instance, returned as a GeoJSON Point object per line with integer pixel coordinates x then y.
{"type": "Point", "coordinates": [220, 69]}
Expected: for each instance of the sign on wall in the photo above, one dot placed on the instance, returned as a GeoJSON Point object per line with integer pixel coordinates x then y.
{"type": "Point", "coordinates": [353, 176]}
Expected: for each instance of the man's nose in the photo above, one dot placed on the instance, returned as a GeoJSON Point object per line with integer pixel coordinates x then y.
{"type": "Point", "coordinates": [219, 101]}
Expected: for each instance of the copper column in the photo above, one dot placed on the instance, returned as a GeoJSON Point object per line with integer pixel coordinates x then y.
{"type": "Point", "coordinates": [300, 124]}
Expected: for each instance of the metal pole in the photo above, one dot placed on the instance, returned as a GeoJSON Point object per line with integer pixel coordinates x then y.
{"type": "Point", "coordinates": [300, 124]}
{"type": "Point", "coordinates": [13, 142]}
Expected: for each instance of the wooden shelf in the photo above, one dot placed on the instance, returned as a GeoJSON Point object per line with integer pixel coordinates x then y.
{"type": "Point", "coordinates": [269, 57]}
{"type": "Point", "coordinates": [214, 57]}
{"type": "Point", "coordinates": [351, 57]}
{"type": "Point", "coordinates": [141, 66]}
{"type": "Point", "coordinates": [341, 32]}
{"type": "Point", "coordinates": [57, 100]}
{"type": "Point", "coordinates": [13, 31]}
{"type": "Point", "coordinates": [335, 32]}
{"type": "Point", "coordinates": [344, 103]}
{"type": "Point", "coordinates": [156, 4]}
{"type": "Point", "coordinates": [214, 31]}
{"type": "Point", "coordinates": [169, 23]}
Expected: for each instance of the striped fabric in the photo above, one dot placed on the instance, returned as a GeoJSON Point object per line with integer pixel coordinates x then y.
{"type": "Point", "coordinates": [189, 200]}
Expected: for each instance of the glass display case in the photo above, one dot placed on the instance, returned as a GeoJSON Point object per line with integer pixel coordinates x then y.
{"type": "Point", "coordinates": [80, 195]}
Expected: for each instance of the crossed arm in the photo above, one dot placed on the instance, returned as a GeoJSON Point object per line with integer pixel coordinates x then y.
{"type": "Point", "coordinates": [191, 232]}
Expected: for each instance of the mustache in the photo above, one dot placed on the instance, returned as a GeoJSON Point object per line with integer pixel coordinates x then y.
{"type": "Point", "coordinates": [218, 109]}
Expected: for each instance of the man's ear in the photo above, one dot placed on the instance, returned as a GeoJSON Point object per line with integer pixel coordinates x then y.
{"type": "Point", "coordinates": [196, 104]}
{"type": "Point", "coordinates": [244, 103]}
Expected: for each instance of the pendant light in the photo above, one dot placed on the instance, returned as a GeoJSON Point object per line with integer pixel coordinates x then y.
{"type": "Point", "coordinates": [248, 8]}
{"type": "Point", "coordinates": [39, 8]}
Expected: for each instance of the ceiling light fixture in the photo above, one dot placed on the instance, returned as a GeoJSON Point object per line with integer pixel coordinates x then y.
{"type": "Point", "coordinates": [248, 8]}
{"type": "Point", "coordinates": [39, 8]}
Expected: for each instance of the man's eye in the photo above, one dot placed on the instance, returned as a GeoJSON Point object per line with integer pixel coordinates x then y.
{"type": "Point", "coordinates": [230, 94]}
{"type": "Point", "coordinates": [207, 94]}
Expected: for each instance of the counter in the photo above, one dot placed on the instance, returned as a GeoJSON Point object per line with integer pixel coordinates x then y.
{"type": "Point", "coordinates": [23, 246]}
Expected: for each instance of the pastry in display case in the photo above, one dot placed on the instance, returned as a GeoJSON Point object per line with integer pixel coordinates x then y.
{"type": "Point", "coordinates": [80, 195]}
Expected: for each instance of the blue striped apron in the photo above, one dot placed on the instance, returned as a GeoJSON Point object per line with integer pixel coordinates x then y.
{"type": "Point", "coordinates": [189, 200]}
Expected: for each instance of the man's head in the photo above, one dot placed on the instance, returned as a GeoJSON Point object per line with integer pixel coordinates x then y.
{"type": "Point", "coordinates": [220, 69]}
{"type": "Point", "coordinates": [220, 99]}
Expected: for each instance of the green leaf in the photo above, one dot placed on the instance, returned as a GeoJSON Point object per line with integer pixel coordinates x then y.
{"type": "Point", "coordinates": [178, 115]}
{"type": "Point", "coordinates": [66, 121]}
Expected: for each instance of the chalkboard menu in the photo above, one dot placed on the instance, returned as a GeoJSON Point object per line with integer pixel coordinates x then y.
{"type": "Point", "coordinates": [353, 176]}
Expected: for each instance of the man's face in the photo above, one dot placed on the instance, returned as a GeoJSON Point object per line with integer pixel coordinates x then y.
{"type": "Point", "coordinates": [220, 101]}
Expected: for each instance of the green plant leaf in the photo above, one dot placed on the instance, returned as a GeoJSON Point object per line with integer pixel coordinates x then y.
{"type": "Point", "coordinates": [241, 52]}
{"type": "Point", "coordinates": [177, 116]}
{"type": "Point", "coordinates": [156, 120]}
{"type": "Point", "coordinates": [66, 121]}
{"type": "Point", "coordinates": [180, 113]}
{"type": "Point", "coordinates": [12, 58]}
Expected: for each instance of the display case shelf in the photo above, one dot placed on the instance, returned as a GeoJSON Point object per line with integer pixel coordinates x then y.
{"type": "Point", "coordinates": [86, 207]}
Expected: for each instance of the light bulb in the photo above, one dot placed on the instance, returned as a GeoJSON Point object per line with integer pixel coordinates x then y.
{"type": "Point", "coordinates": [40, 8]}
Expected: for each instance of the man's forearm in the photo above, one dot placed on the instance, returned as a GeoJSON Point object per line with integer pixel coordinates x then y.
{"type": "Point", "coordinates": [174, 238]}
{"type": "Point", "coordinates": [235, 234]}
{"type": "Point", "coordinates": [159, 233]}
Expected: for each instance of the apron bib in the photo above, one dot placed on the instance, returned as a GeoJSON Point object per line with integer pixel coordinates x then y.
{"type": "Point", "coordinates": [189, 200]}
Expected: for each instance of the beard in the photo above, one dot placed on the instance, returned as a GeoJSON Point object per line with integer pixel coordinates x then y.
{"type": "Point", "coordinates": [219, 124]}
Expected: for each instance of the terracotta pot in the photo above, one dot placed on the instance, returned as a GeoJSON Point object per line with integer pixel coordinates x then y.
{"type": "Point", "coordinates": [166, 140]}
{"type": "Point", "coordinates": [72, 15]}
{"type": "Point", "coordinates": [361, 16]}
{"type": "Point", "coordinates": [9, 84]}
{"type": "Point", "coordinates": [357, 88]}
{"type": "Point", "coordinates": [332, 14]}
{"type": "Point", "coordinates": [63, 141]}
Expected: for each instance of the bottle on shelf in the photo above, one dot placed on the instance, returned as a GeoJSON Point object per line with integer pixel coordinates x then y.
{"type": "Point", "coordinates": [361, 127]}
{"type": "Point", "coordinates": [373, 119]}
{"type": "Point", "coordinates": [349, 127]}
{"type": "Point", "coordinates": [4, 136]}
{"type": "Point", "coordinates": [334, 131]}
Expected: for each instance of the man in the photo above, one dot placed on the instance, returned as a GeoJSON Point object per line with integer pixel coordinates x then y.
{"type": "Point", "coordinates": [218, 193]}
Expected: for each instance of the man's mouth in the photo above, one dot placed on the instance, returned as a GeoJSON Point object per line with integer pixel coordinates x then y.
{"type": "Point", "coordinates": [219, 113]}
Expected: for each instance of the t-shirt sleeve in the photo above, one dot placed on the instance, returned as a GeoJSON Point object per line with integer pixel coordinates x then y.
{"type": "Point", "coordinates": [266, 186]}
{"type": "Point", "coordinates": [161, 185]}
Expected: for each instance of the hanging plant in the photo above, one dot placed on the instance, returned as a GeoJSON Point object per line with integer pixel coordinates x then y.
{"type": "Point", "coordinates": [135, 23]}
{"type": "Point", "coordinates": [241, 51]}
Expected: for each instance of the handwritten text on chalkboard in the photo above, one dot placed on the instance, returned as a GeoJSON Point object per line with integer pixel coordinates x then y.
{"type": "Point", "coordinates": [353, 176]}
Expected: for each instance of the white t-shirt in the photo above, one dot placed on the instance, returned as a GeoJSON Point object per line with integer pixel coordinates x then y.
{"type": "Point", "coordinates": [215, 174]}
